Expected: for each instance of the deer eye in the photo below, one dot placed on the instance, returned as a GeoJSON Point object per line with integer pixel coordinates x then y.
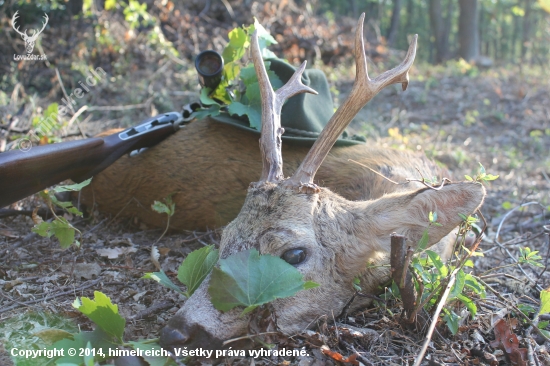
{"type": "Point", "coordinates": [294, 256]}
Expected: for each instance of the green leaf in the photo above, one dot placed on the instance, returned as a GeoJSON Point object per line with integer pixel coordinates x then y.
{"type": "Point", "coordinates": [264, 38]}
{"type": "Point", "coordinates": [468, 178]}
{"type": "Point", "coordinates": [458, 286]}
{"type": "Point", "coordinates": [254, 113]}
{"type": "Point", "coordinates": [167, 207]}
{"type": "Point", "coordinates": [451, 319]}
{"type": "Point", "coordinates": [213, 111]}
{"type": "Point", "coordinates": [67, 206]}
{"type": "Point", "coordinates": [196, 266]}
{"type": "Point", "coordinates": [163, 279]}
{"type": "Point", "coordinates": [526, 309]}
{"type": "Point", "coordinates": [231, 71]}
{"type": "Point", "coordinates": [545, 301]}
{"type": "Point", "coordinates": [356, 282]}
{"type": "Point", "coordinates": [99, 340]}
{"type": "Point", "coordinates": [248, 279]}
{"type": "Point", "coordinates": [110, 4]}
{"type": "Point", "coordinates": [72, 187]}
{"type": "Point", "coordinates": [423, 242]}
{"type": "Point", "coordinates": [238, 38]}
{"type": "Point", "coordinates": [42, 229]}
{"type": "Point", "coordinates": [63, 231]}
{"type": "Point", "coordinates": [470, 305]}
{"type": "Point", "coordinates": [472, 283]}
{"type": "Point", "coordinates": [543, 324]}
{"type": "Point", "coordinates": [102, 312]}
{"type": "Point", "coordinates": [205, 98]}
{"type": "Point", "coordinates": [434, 257]}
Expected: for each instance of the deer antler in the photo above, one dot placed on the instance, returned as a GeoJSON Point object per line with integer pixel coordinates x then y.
{"type": "Point", "coordinates": [13, 19]}
{"type": "Point", "coordinates": [364, 89]}
{"type": "Point", "coordinates": [272, 102]}
{"type": "Point", "coordinates": [35, 35]}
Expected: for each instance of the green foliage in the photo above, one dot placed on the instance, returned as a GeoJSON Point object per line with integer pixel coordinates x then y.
{"type": "Point", "coordinates": [163, 279]}
{"type": "Point", "coordinates": [431, 276]}
{"type": "Point", "coordinates": [196, 266]}
{"type": "Point", "coordinates": [482, 176]}
{"type": "Point", "coordinates": [103, 313]}
{"type": "Point", "coordinates": [544, 301]}
{"type": "Point", "coordinates": [238, 88]}
{"type": "Point", "coordinates": [47, 124]}
{"type": "Point", "coordinates": [33, 331]}
{"type": "Point", "coordinates": [244, 279]}
{"type": "Point", "coordinates": [40, 332]}
{"type": "Point", "coordinates": [531, 257]}
{"type": "Point", "coordinates": [60, 227]}
{"type": "Point", "coordinates": [194, 269]}
{"type": "Point", "coordinates": [248, 279]}
{"type": "Point", "coordinates": [167, 207]}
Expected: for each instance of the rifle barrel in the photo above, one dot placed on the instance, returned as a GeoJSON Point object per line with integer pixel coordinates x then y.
{"type": "Point", "coordinates": [25, 173]}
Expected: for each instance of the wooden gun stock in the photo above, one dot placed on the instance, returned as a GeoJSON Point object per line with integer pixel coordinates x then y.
{"type": "Point", "coordinates": [25, 173]}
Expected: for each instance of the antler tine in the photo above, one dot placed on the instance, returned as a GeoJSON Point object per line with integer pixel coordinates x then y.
{"type": "Point", "coordinates": [45, 23]}
{"type": "Point", "coordinates": [364, 89]}
{"type": "Point", "coordinates": [272, 103]}
{"type": "Point", "coordinates": [13, 19]}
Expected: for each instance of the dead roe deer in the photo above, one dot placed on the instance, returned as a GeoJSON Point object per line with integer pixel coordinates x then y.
{"type": "Point", "coordinates": [329, 236]}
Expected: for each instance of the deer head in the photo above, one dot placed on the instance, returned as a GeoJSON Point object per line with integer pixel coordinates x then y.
{"type": "Point", "coordinates": [326, 237]}
{"type": "Point", "coordinates": [29, 40]}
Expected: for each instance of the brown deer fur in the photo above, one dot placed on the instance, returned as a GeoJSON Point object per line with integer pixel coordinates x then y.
{"type": "Point", "coordinates": [210, 166]}
{"type": "Point", "coordinates": [340, 231]}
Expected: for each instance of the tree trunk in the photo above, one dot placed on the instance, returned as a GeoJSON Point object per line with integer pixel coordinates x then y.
{"type": "Point", "coordinates": [468, 36]}
{"type": "Point", "coordinates": [526, 29]}
{"type": "Point", "coordinates": [394, 24]}
{"type": "Point", "coordinates": [439, 30]}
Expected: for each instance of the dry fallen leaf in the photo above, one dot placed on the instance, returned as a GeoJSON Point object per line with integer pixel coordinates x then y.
{"type": "Point", "coordinates": [506, 340]}
{"type": "Point", "coordinates": [338, 357]}
{"type": "Point", "coordinates": [8, 234]}
{"type": "Point", "coordinates": [114, 253]}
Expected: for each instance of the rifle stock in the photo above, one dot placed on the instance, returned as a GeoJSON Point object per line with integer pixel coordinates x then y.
{"type": "Point", "coordinates": [25, 173]}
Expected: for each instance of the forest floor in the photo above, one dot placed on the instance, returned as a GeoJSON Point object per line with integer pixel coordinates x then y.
{"type": "Point", "coordinates": [457, 114]}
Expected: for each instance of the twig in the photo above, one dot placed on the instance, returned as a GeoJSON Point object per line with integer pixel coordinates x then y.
{"type": "Point", "coordinates": [452, 279]}
{"type": "Point", "coordinates": [75, 116]}
{"type": "Point", "coordinates": [246, 337]}
{"type": "Point", "coordinates": [153, 310]}
{"type": "Point", "coordinates": [72, 291]}
{"type": "Point", "coordinates": [375, 172]}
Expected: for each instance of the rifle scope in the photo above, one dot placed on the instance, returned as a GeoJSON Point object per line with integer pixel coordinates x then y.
{"type": "Point", "coordinates": [209, 65]}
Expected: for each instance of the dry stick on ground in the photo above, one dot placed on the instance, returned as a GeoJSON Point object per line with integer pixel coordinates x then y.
{"type": "Point", "coordinates": [401, 275]}
{"type": "Point", "coordinates": [442, 302]}
{"type": "Point", "coordinates": [64, 293]}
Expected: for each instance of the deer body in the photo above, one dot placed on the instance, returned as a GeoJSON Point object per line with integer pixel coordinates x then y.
{"type": "Point", "coordinates": [210, 165]}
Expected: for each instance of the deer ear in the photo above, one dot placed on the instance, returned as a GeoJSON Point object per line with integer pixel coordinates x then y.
{"type": "Point", "coordinates": [407, 213]}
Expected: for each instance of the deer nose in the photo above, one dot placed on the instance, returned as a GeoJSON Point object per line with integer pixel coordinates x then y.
{"type": "Point", "coordinates": [180, 335]}
{"type": "Point", "coordinates": [171, 338]}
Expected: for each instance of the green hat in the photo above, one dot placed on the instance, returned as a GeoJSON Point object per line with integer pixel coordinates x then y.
{"type": "Point", "coordinates": [304, 115]}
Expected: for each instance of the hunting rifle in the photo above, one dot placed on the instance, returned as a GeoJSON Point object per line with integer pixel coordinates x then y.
{"type": "Point", "coordinates": [23, 173]}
